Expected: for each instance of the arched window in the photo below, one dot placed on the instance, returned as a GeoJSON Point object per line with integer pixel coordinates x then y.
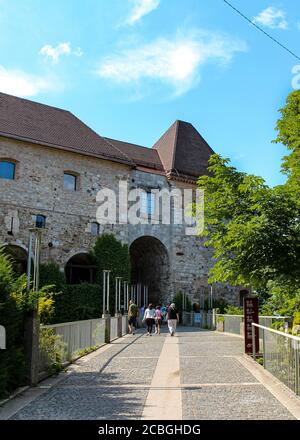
{"type": "Point", "coordinates": [80, 269]}
{"type": "Point", "coordinates": [7, 169]}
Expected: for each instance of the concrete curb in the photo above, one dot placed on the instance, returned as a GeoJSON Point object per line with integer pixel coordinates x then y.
{"type": "Point", "coordinates": [280, 391]}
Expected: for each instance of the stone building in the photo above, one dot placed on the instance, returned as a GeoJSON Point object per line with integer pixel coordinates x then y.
{"type": "Point", "coordinates": [51, 168]}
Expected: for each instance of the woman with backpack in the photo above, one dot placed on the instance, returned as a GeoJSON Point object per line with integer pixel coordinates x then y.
{"type": "Point", "coordinates": [158, 320]}
{"type": "Point", "coordinates": [149, 317]}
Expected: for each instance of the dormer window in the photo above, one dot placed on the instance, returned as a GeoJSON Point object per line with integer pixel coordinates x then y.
{"type": "Point", "coordinates": [70, 182]}
{"type": "Point", "coordinates": [7, 169]}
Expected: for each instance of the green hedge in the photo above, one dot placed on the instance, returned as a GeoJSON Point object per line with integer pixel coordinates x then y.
{"type": "Point", "coordinates": [77, 302]}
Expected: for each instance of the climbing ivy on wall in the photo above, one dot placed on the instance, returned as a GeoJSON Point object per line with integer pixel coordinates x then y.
{"type": "Point", "coordinates": [111, 254]}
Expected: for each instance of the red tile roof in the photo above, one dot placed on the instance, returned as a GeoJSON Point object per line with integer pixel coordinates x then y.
{"type": "Point", "coordinates": [38, 123]}
{"type": "Point", "coordinates": [180, 152]}
{"type": "Point", "coordinates": [183, 151]}
{"type": "Point", "coordinates": [142, 156]}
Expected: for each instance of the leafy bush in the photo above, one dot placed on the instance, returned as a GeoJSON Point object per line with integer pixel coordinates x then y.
{"type": "Point", "coordinates": [15, 302]}
{"type": "Point", "coordinates": [278, 325]}
{"type": "Point", "coordinates": [177, 300]}
{"type": "Point", "coordinates": [51, 351]}
{"type": "Point", "coordinates": [220, 304]}
{"type": "Point", "coordinates": [50, 274]}
{"type": "Point", "coordinates": [12, 360]}
{"type": "Point", "coordinates": [296, 320]}
{"type": "Point", "coordinates": [233, 310]}
{"type": "Point", "coordinates": [284, 299]}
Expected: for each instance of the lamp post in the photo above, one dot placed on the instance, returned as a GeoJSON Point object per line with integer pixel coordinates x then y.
{"type": "Point", "coordinates": [32, 324]}
{"type": "Point", "coordinates": [118, 294]}
{"type": "Point", "coordinates": [106, 276]}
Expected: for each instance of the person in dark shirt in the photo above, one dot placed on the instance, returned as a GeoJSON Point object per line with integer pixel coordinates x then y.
{"type": "Point", "coordinates": [173, 317]}
{"type": "Point", "coordinates": [132, 315]}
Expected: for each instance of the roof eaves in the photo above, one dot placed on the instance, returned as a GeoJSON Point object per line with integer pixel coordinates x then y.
{"type": "Point", "coordinates": [113, 158]}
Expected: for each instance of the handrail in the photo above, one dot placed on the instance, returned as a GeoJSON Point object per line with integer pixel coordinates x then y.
{"type": "Point", "coordinates": [260, 316]}
{"type": "Point", "coordinates": [296, 338]}
{"type": "Point", "coordinates": [225, 314]}
{"type": "Point", "coordinates": [61, 324]}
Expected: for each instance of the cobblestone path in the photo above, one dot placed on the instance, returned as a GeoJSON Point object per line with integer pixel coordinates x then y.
{"type": "Point", "coordinates": [194, 375]}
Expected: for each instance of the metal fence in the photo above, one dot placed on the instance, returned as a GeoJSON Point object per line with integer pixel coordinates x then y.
{"type": "Point", "coordinates": [280, 353]}
{"type": "Point", "coordinates": [72, 338]}
{"type": "Point", "coordinates": [232, 323]}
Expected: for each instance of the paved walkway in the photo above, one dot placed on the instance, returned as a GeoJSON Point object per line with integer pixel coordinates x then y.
{"type": "Point", "coordinates": [194, 375]}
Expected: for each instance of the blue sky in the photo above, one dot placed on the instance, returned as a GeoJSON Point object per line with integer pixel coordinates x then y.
{"type": "Point", "coordinates": [129, 68]}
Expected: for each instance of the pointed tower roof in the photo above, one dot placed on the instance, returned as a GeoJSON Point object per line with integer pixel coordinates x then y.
{"type": "Point", "coordinates": [183, 151]}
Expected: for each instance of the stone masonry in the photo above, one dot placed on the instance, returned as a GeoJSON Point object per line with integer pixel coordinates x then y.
{"type": "Point", "coordinates": [180, 262]}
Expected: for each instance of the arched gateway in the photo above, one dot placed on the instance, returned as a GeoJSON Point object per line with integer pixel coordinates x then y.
{"type": "Point", "coordinates": [19, 256]}
{"type": "Point", "coordinates": [150, 266]}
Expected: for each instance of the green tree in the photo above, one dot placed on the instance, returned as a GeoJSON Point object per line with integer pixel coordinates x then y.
{"type": "Point", "coordinates": [253, 229]}
{"type": "Point", "coordinates": [288, 127]}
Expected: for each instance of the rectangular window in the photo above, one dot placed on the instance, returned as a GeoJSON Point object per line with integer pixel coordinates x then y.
{"type": "Point", "coordinates": [7, 170]}
{"type": "Point", "coordinates": [95, 228]}
{"type": "Point", "coordinates": [70, 182]}
{"type": "Point", "coordinates": [40, 221]}
{"type": "Point", "coordinates": [148, 203]}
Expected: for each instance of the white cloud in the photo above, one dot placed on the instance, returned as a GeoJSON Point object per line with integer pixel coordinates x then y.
{"type": "Point", "coordinates": [140, 9]}
{"type": "Point", "coordinates": [175, 62]}
{"type": "Point", "coordinates": [273, 18]}
{"type": "Point", "coordinates": [17, 82]}
{"type": "Point", "coordinates": [61, 49]}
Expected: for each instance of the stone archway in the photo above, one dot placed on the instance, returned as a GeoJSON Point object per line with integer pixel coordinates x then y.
{"type": "Point", "coordinates": [80, 269]}
{"type": "Point", "coordinates": [150, 266]}
{"type": "Point", "coordinates": [19, 257]}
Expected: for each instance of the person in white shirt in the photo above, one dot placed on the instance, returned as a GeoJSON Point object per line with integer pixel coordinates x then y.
{"type": "Point", "coordinates": [149, 317]}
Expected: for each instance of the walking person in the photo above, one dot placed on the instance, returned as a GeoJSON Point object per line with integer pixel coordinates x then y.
{"type": "Point", "coordinates": [163, 310]}
{"type": "Point", "coordinates": [142, 313]}
{"type": "Point", "coordinates": [149, 317]}
{"type": "Point", "coordinates": [132, 315]}
{"type": "Point", "coordinates": [173, 317]}
{"type": "Point", "coordinates": [158, 320]}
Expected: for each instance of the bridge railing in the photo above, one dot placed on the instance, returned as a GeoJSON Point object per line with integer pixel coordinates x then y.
{"type": "Point", "coordinates": [225, 322]}
{"type": "Point", "coordinates": [235, 323]}
{"type": "Point", "coordinates": [73, 337]}
{"type": "Point", "coordinates": [64, 342]}
{"type": "Point", "coordinates": [280, 354]}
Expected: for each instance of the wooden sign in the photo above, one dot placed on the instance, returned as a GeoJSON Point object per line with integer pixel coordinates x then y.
{"type": "Point", "coordinates": [250, 316]}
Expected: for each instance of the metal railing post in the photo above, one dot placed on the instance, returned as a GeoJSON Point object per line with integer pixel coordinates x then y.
{"type": "Point", "coordinates": [297, 372]}
{"type": "Point", "coordinates": [253, 343]}
{"type": "Point", "coordinates": [264, 348]}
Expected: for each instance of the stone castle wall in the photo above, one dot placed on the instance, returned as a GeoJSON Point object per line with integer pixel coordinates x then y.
{"type": "Point", "coordinates": [38, 189]}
